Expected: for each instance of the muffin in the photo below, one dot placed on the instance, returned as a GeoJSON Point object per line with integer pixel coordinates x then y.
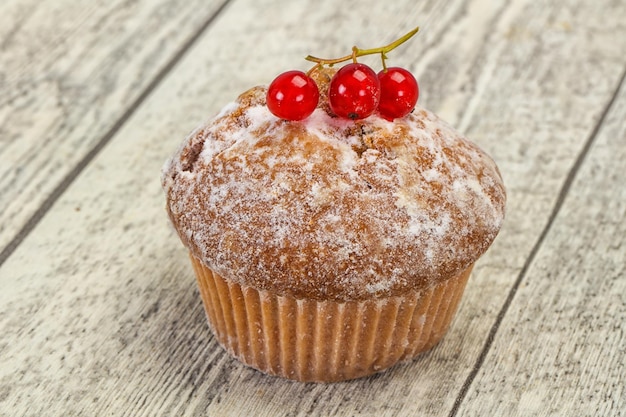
{"type": "Point", "coordinates": [329, 249]}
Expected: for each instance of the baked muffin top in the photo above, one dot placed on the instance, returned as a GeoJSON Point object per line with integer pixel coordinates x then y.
{"type": "Point", "coordinates": [328, 208]}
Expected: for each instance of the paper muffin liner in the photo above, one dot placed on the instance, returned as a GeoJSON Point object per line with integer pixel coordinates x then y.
{"type": "Point", "coordinates": [325, 341]}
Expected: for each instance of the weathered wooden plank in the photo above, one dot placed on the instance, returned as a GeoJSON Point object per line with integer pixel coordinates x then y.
{"type": "Point", "coordinates": [562, 347]}
{"type": "Point", "coordinates": [109, 321]}
{"type": "Point", "coordinates": [68, 74]}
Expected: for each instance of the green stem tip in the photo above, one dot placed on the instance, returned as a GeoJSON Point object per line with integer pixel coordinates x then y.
{"type": "Point", "coordinates": [357, 52]}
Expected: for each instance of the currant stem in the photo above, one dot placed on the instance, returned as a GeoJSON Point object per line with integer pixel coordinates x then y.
{"type": "Point", "coordinates": [357, 52]}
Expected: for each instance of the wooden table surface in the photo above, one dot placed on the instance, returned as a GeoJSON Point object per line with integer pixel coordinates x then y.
{"type": "Point", "coordinates": [99, 311]}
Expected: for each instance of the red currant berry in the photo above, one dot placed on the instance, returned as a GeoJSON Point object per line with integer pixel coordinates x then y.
{"type": "Point", "coordinates": [292, 95]}
{"type": "Point", "coordinates": [398, 93]}
{"type": "Point", "coordinates": [354, 91]}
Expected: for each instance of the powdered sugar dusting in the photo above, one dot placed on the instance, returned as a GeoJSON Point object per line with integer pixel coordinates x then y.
{"type": "Point", "coordinates": [329, 208]}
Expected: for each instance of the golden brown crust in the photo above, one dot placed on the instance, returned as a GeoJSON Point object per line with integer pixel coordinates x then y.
{"type": "Point", "coordinates": [330, 209]}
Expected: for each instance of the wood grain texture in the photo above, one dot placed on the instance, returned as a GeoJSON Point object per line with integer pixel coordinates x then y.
{"type": "Point", "coordinates": [562, 347]}
{"type": "Point", "coordinates": [99, 311]}
{"type": "Point", "coordinates": [68, 74]}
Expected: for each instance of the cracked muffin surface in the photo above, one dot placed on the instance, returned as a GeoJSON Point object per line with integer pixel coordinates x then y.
{"type": "Point", "coordinates": [328, 208]}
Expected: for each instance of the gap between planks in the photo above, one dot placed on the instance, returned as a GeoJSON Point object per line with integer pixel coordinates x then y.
{"type": "Point", "coordinates": [41, 211]}
{"type": "Point", "coordinates": [535, 249]}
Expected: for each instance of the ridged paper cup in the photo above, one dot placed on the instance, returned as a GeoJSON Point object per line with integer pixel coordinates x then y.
{"type": "Point", "coordinates": [325, 341]}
